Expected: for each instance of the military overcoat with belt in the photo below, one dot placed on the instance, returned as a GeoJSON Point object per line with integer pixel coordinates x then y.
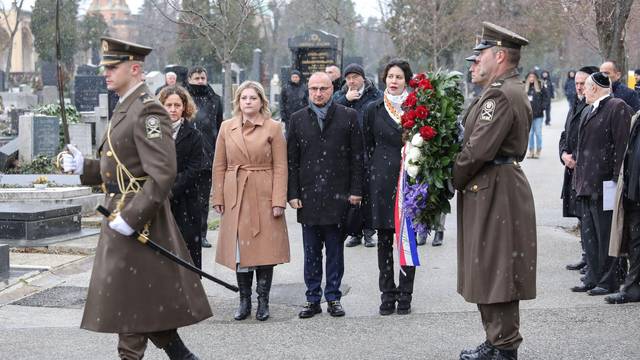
{"type": "Point", "coordinates": [249, 179]}
{"type": "Point", "coordinates": [496, 217]}
{"type": "Point", "coordinates": [133, 289]}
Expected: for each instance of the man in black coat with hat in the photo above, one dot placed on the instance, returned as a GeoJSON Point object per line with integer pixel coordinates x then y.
{"type": "Point", "coordinates": [294, 97]}
{"type": "Point", "coordinates": [567, 147]}
{"type": "Point", "coordinates": [207, 120]}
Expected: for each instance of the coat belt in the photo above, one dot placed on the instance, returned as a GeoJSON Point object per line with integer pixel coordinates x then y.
{"type": "Point", "coordinates": [238, 191]}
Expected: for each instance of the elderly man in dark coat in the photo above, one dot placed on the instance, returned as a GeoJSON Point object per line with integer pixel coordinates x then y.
{"type": "Point", "coordinates": [567, 146]}
{"type": "Point", "coordinates": [325, 174]}
{"type": "Point", "coordinates": [603, 135]}
{"type": "Point", "coordinates": [207, 120]}
{"type": "Point", "coordinates": [625, 227]}
{"type": "Point", "coordinates": [497, 243]}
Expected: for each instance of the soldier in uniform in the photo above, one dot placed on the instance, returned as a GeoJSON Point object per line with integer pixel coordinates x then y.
{"type": "Point", "coordinates": [496, 216]}
{"type": "Point", "coordinates": [134, 291]}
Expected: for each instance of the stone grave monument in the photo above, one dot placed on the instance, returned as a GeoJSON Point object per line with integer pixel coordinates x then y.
{"type": "Point", "coordinates": [4, 262]}
{"type": "Point", "coordinates": [87, 88]}
{"type": "Point", "coordinates": [49, 72]}
{"type": "Point", "coordinates": [80, 135]}
{"type": "Point", "coordinates": [39, 135]}
{"type": "Point", "coordinates": [314, 51]}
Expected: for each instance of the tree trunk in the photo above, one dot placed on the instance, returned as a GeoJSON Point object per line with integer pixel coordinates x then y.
{"type": "Point", "coordinates": [226, 64]}
{"type": "Point", "coordinates": [611, 18]}
{"type": "Point", "coordinates": [7, 68]}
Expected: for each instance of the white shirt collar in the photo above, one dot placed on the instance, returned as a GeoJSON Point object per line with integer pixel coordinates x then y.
{"type": "Point", "coordinates": [597, 102]}
{"type": "Point", "coordinates": [129, 92]}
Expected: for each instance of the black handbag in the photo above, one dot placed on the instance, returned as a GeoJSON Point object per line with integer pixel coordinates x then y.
{"type": "Point", "coordinates": [353, 221]}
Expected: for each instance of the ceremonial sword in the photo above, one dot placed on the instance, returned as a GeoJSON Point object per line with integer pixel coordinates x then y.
{"type": "Point", "coordinates": [145, 241]}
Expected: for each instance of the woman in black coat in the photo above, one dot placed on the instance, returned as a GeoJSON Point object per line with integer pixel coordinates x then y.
{"type": "Point", "coordinates": [184, 193]}
{"type": "Point", "coordinates": [383, 144]}
{"type": "Point", "coordinates": [537, 97]}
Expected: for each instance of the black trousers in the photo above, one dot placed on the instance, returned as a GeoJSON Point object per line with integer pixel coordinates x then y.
{"type": "Point", "coordinates": [595, 232]}
{"type": "Point", "coordinates": [547, 113]}
{"type": "Point", "coordinates": [385, 264]}
{"type": "Point", "coordinates": [204, 190]}
{"type": "Point", "coordinates": [631, 285]}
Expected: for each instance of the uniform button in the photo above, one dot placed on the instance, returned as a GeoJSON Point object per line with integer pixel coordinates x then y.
{"type": "Point", "coordinates": [474, 188]}
{"type": "Point", "coordinates": [109, 153]}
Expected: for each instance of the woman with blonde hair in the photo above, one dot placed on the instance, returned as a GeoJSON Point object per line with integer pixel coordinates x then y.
{"type": "Point", "coordinates": [250, 192]}
{"type": "Point", "coordinates": [184, 193]}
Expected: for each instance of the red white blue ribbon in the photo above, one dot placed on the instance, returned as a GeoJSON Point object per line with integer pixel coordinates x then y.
{"type": "Point", "coordinates": [406, 243]}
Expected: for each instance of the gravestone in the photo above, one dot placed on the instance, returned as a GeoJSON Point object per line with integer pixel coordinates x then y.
{"type": "Point", "coordinates": [14, 116]}
{"type": "Point", "coordinates": [182, 73]}
{"type": "Point", "coordinates": [19, 100]}
{"type": "Point", "coordinates": [256, 66]}
{"type": "Point", "coordinates": [86, 89]}
{"type": "Point", "coordinates": [4, 262]}
{"type": "Point", "coordinates": [80, 136]}
{"type": "Point", "coordinates": [49, 72]}
{"type": "Point", "coordinates": [8, 152]}
{"type": "Point", "coordinates": [3, 86]}
{"type": "Point", "coordinates": [154, 80]}
{"type": "Point", "coordinates": [39, 135]}
{"type": "Point", "coordinates": [86, 69]}
{"type": "Point", "coordinates": [50, 95]}
{"type": "Point", "coordinates": [36, 221]}
{"type": "Point", "coordinates": [314, 51]}
{"type": "Point", "coordinates": [275, 89]}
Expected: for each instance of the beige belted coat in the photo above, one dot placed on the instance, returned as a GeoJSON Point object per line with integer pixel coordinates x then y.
{"type": "Point", "coordinates": [249, 179]}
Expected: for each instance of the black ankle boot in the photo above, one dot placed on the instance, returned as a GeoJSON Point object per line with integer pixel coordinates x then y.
{"type": "Point", "coordinates": [264, 275]}
{"type": "Point", "coordinates": [176, 350]}
{"type": "Point", "coordinates": [244, 283]}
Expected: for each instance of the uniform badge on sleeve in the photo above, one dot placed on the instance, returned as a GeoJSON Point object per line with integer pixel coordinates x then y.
{"type": "Point", "coordinates": [152, 124]}
{"type": "Point", "coordinates": [488, 107]}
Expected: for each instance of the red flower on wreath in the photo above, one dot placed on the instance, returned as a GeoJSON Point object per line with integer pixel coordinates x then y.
{"type": "Point", "coordinates": [422, 112]}
{"type": "Point", "coordinates": [411, 100]}
{"type": "Point", "coordinates": [408, 119]}
{"type": "Point", "coordinates": [427, 132]}
{"type": "Point", "coordinates": [409, 124]}
{"type": "Point", "coordinates": [425, 84]}
{"type": "Point", "coordinates": [415, 82]}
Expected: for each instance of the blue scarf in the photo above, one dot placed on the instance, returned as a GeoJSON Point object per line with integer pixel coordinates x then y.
{"type": "Point", "coordinates": [321, 112]}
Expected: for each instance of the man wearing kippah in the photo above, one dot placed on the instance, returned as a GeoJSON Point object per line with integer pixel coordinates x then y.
{"type": "Point", "coordinates": [602, 139]}
{"type": "Point", "coordinates": [496, 215]}
{"type": "Point", "coordinates": [134, 292]}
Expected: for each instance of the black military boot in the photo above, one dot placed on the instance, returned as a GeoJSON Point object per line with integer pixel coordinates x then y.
{"type": "Point", "coordinates": [244, 283]}
{"type": "Point", "coordinates": [264, 275]}
{"type": "Point", "coordinates": [176, 350]}
{"type": "Point", "coordinates": [506, 354]}
{"type": "Point", "coordinates": [437, 238]}
{"type": "Point", "coordinates": [484, 351]}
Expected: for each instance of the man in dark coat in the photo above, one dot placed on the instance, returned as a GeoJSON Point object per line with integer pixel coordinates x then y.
{"type": "Point", "coordinates": [636, 75]}
{"type": "Point", "coordinates": [294, 96]}
{"type": "Point", "coordinates": [336, 78]}
{"type": "Point", "coordinates": [358, 93]}
{"type": "Point", "coordinates": [496, 215]}
{"type": "Point", "coordinates": [625, 228]}
{"type": "Point", "coordinates": [602, 138]}
{"type": "Point", "coordinates": [620, 89]}
{"type": "Point", "coordinates": [325, 153]}
{"type": "Point", "coordinates": [134, 291]}
{"type": "Point", "coordinates": [547, 84]}
{"type": "Point", "coordinates": [567, 147]}
{"type": "Point", "coordinates": [207, 121]}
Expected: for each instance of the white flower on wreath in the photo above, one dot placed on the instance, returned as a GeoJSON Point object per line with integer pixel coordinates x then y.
{"type": "Point", "coordinates": [413, 170]}
{"type": "Point", "coordinates": [417, 140]}
{"type": "Point", "coordinates": [414, 154]}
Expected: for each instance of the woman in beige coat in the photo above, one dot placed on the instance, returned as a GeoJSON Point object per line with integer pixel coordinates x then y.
{"type": "Point", "coordinates": [250, 191]}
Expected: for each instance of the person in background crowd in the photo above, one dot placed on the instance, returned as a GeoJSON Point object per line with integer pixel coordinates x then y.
{"type": "Point", "coordinates": [567, 147]}
{"type": "Point", "coordinates": [602, 139]}
{"type": "Point", "coordinates": [550, 89]}
{"type": "Point", "coordinates": [625, 227]}
{"type": "Point", "coordinates": [188, 141]}
{"type": "Point", "coordinates": [636, 75]}
{"type": "Point", "coordinates": [537, 98]}
{"type": "Point", "coordinates": [208, 120]}
{"type": "Point", "coordinates": [620, 89]}
{"type": "Point", "coordinates": [294, 96]}
{"type": "Point", "coordinates": [325, 155]}
{"type": "Point", "coordinates": [357, 93]}
{"type": "Point", "coordinates": [170, 79]}
{"type": "Point", "coordinates": [570, 88]}
{"type": "Point", "coordinates": [250, 192]}
{"type": "Point", "coordinates": [383, 145]}
{"type": "Point", "coordinates": [336, 78]}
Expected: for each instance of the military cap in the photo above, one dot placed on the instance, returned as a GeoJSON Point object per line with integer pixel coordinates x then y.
{"type": "Point", "coordinates": [473, 56]}
{"type": "Point", "coordinates": [494, 35]}
{"type": "Point", "coordinates": [115, 51]}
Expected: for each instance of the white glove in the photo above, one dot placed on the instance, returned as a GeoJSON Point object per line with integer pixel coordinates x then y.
{"type": "Point", "coordinates": [118, 224]}
{"type": "Point", "coordinates": [73, 162]}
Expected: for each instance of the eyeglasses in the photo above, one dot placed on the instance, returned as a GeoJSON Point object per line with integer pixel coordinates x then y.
{"type": "Point", "coordinates": [316, 89]}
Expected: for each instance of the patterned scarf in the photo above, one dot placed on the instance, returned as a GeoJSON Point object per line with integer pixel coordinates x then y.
{"type": "Point", "coordinates": [175, 127]}
{"type": "Point", "coordinates": [393, 104]}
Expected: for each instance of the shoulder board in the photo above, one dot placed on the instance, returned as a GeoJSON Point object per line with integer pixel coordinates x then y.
{"type": "Point", "coordinates": [146, 98]}
{"type": "Point", "coordinates": [497, 84]}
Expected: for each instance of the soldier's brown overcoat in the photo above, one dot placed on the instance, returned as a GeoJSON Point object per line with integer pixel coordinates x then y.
{"type": "Point", "coordinates": [133, 289]}
{"type": "Point", "coordinates": [496, 216]}
{"type": "Point", "coordinates": [249, 179]}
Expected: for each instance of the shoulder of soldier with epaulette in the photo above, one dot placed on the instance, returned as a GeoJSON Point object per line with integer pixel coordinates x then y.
{"type": "Point", "coordinates": [146, 98]}
{"type": "Point", "coordinates": [497, 84]}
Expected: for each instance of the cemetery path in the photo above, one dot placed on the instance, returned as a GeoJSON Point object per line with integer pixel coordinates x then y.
{"type": "Point", "coordinates": [558, 324]}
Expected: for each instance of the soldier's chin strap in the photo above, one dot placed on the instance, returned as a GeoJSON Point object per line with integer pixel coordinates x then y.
{"type": "Point", "coordinates": [127, 183]}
